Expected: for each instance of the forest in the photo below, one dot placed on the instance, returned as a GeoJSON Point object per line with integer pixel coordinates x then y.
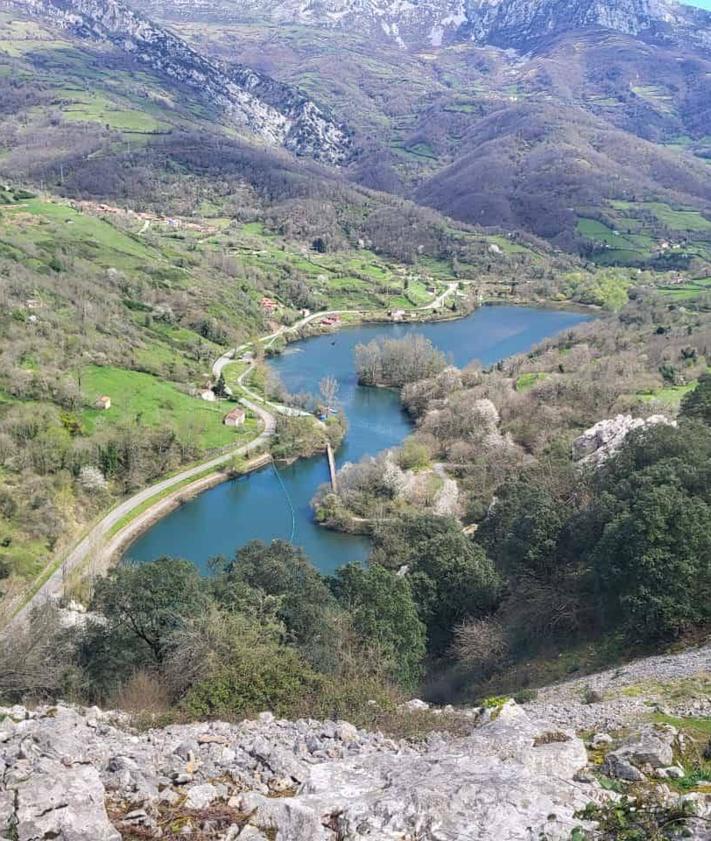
{"type": "Point", "coordinates": [563, 555]}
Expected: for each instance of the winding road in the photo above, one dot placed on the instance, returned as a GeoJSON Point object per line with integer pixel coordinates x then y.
{"type": "Point", "coordinates": [95, 543]}
{"type": "Point", "coordinates": [100, 543]}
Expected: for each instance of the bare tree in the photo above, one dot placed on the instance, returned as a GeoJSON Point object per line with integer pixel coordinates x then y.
{"type": "Point", "coordinates": [35, 658]}
{"type": "Point", "coordinates": [329, 388]}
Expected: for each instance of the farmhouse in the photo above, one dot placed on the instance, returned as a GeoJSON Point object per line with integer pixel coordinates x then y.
{"type": "Point", "coordinates": [207, 394]}
{"type": "Point", "coordinates": [268, 304]}
{"type": "Point", "coordinates": [235, 418]}
{"type": "Point", "coordinates": [103, 402]}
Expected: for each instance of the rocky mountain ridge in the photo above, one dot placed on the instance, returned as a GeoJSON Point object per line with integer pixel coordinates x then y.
{"type": "Point", "coordinates": [76, 774]}
{"type": "Point", "coordinates": [506, 772]}
{"type": "Point", "coordinates": [521, 23]}
{"type": "Point", "coordinates": [65, 768]}
{"type": "Point", "coordinates": [274, 112]}
{"type": "Point", "coordinates": [517, 24]}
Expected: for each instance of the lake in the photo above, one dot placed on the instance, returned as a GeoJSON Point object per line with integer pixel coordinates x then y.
{"type": "Point", "coordinates": [275, 503]}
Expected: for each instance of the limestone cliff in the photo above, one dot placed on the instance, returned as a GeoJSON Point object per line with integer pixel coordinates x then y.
{"type": "Point", "coordinates": [272, 111]}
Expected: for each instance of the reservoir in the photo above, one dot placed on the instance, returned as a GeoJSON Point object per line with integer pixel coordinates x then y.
{"type": "Point", "coordinates": [271, 504]}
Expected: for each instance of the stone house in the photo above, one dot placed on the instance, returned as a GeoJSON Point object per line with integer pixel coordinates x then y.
{"type": "Point", "coordinates": [236, 417]}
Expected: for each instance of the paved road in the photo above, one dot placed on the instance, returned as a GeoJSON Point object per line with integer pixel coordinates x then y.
{"type": "Point", "coordinates": [440, 299]}
{"type": "Point", "coordinates": [94, 542]}
{"type": "Point", "coordinates": [231, 355]}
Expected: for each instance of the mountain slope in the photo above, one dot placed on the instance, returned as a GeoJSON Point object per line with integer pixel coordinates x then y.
{"type": "Point", "coordinates": [536, 166]}
{"type": "Point", "coordinates": [520, 24]}
{"type": "Point", "coordinates": [494, 137]}
{"type": "Point", "coordinates": [274, 112]}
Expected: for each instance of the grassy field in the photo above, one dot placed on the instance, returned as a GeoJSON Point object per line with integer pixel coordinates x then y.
{"type": "Point", "coordinates": [670, 396]}
{"type": "Point", "coordinates": [617, 247]}
{"type": "Point", "coordinates": [145, 400]}
{"type": "Point", "coordinates": [51, 226]}
{"type": "Point", "coordinates": [90, 107]}
{"type": "Point", "coordinates": [656, 96]}
{"type": "Point", "coordinates": [652, 234]}
{"type": "Point", "coordinates": [690, 289]}
{"type": "Point", "coordinates": [527, 381]}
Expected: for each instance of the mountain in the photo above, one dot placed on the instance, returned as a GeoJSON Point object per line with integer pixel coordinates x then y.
{"type": "Point", "coordinates": [273, 112]}
{"type": "Point", "coordinates": [518, 24]}
{"type": "Point", "coordinates": [522, 24]}
{"type": "Point", "coordinates": [533, 116]}
{"type": "Point", "coordinates": [515, 114]}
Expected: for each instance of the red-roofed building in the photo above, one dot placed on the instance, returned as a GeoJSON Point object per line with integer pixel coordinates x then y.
{"type": "Point", "coordinates": [235, 418]}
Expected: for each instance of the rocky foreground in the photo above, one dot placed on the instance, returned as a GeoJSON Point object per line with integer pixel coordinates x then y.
{"type": "Point", "coordinates": [85, 775]}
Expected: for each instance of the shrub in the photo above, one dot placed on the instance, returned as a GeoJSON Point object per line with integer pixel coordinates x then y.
{"type": "Point", "coordinates": [525, 696]}
{"type": "Point", "coordinates": [258, 676]}
{"type": "Point", "coordinates": [143, 692]}
{"type": "Point", "coordinates": [413, 455]}
{"type": "Point", "coordinates": [480, 643]}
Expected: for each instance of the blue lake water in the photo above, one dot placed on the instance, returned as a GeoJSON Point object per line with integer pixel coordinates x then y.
{"type": "Point", "coordinates": [227, 516]}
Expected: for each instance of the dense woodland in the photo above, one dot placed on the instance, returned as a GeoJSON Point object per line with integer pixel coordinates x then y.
{"type": "Point", "coordinates": [564, 555]}
{"type": "Point", "coordinates": [138, 236]}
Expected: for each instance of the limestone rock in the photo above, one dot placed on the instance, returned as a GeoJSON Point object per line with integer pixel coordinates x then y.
{"type": "Point", "coordinates": [511, 777]}
{"type": "Point", "coordinates": [271, 110]}
{"type": "Point", "coordinates": [604, 439]}
{"type": "Point", "coordinates": [505, 781]}
{"type": "Point", "coordinates": [621, 769]}
{"type": "Point", "coordinates": [201, 796]}
{"type": "Point", "coordinates": [651, 747]}
{"type": "Point", "coordinates": [66, 804]}
{"type": "Point", "coordinates": [415, 705]}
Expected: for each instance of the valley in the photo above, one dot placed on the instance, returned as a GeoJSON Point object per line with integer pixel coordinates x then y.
{"type": "Point", "coordinates": [355, 427]}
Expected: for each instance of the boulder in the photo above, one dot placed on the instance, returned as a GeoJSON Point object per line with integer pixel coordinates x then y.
{"type": "Point", "coordinates": [604, 439]}
{"type": "Point", "coordinates": [647, 750]}
{"type": "Point", "coordinates": [619, 768]}
{"type": "Point", "coordinates": [511, 779]}
{"type": "Point", "coordinates": [66, 804]}
{"type": "Point", "coordinates": [201, 796]}
{"type": "Point", "coordinates": [650, 746]}
{"type": "Point", "coordinates": [249, 833]}
{"type": "Point", "coordinates": [415, 705]}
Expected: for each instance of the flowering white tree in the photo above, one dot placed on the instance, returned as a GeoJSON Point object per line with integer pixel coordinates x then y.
{"type": "Point", "coordinates": [92, 479]}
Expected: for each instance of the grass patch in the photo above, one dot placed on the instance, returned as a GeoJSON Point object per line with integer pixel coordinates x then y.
{"type": "Point", "coordinates": [678, 219]}
{"type": "Point", "coordinates": [97, 108]}
{"type": "Point", "coordinates": [527, 381]}
{"type": "Point", "coordinates": [682, 689]}
{"type": "Point", "coordinates": [670, 396]}
{"type": "Point", "coordinates": [144, 400]}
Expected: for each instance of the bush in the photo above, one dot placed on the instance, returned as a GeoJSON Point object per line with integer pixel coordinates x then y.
{"type": "Point", "coordinates": [414, 455]}
{"type": "Point", "coordinates": [229, 665]}
{"type": "Point", "coordinates": [257, 678]}
{"type": "Point", "coordinates": [525, 696]}
{"type": "Point", "coordinates": [143, 692]}
{"type": "Point", "coordinates": [479, 643]}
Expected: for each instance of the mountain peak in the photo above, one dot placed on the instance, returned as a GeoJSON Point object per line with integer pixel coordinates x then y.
{"type": "Point", "coordinates": [517, 24]}
{"type": "Point", "coordinates": [265, 108]}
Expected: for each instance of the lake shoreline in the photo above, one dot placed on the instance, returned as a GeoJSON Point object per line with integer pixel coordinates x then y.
{"type": "Point", "coordinates": [258, 509]}
{"type": "Point", "coordinates": [119, 543]}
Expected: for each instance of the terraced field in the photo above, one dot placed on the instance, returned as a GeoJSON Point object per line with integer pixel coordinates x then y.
{"type": "Point", "coordinates": [653, 234]}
